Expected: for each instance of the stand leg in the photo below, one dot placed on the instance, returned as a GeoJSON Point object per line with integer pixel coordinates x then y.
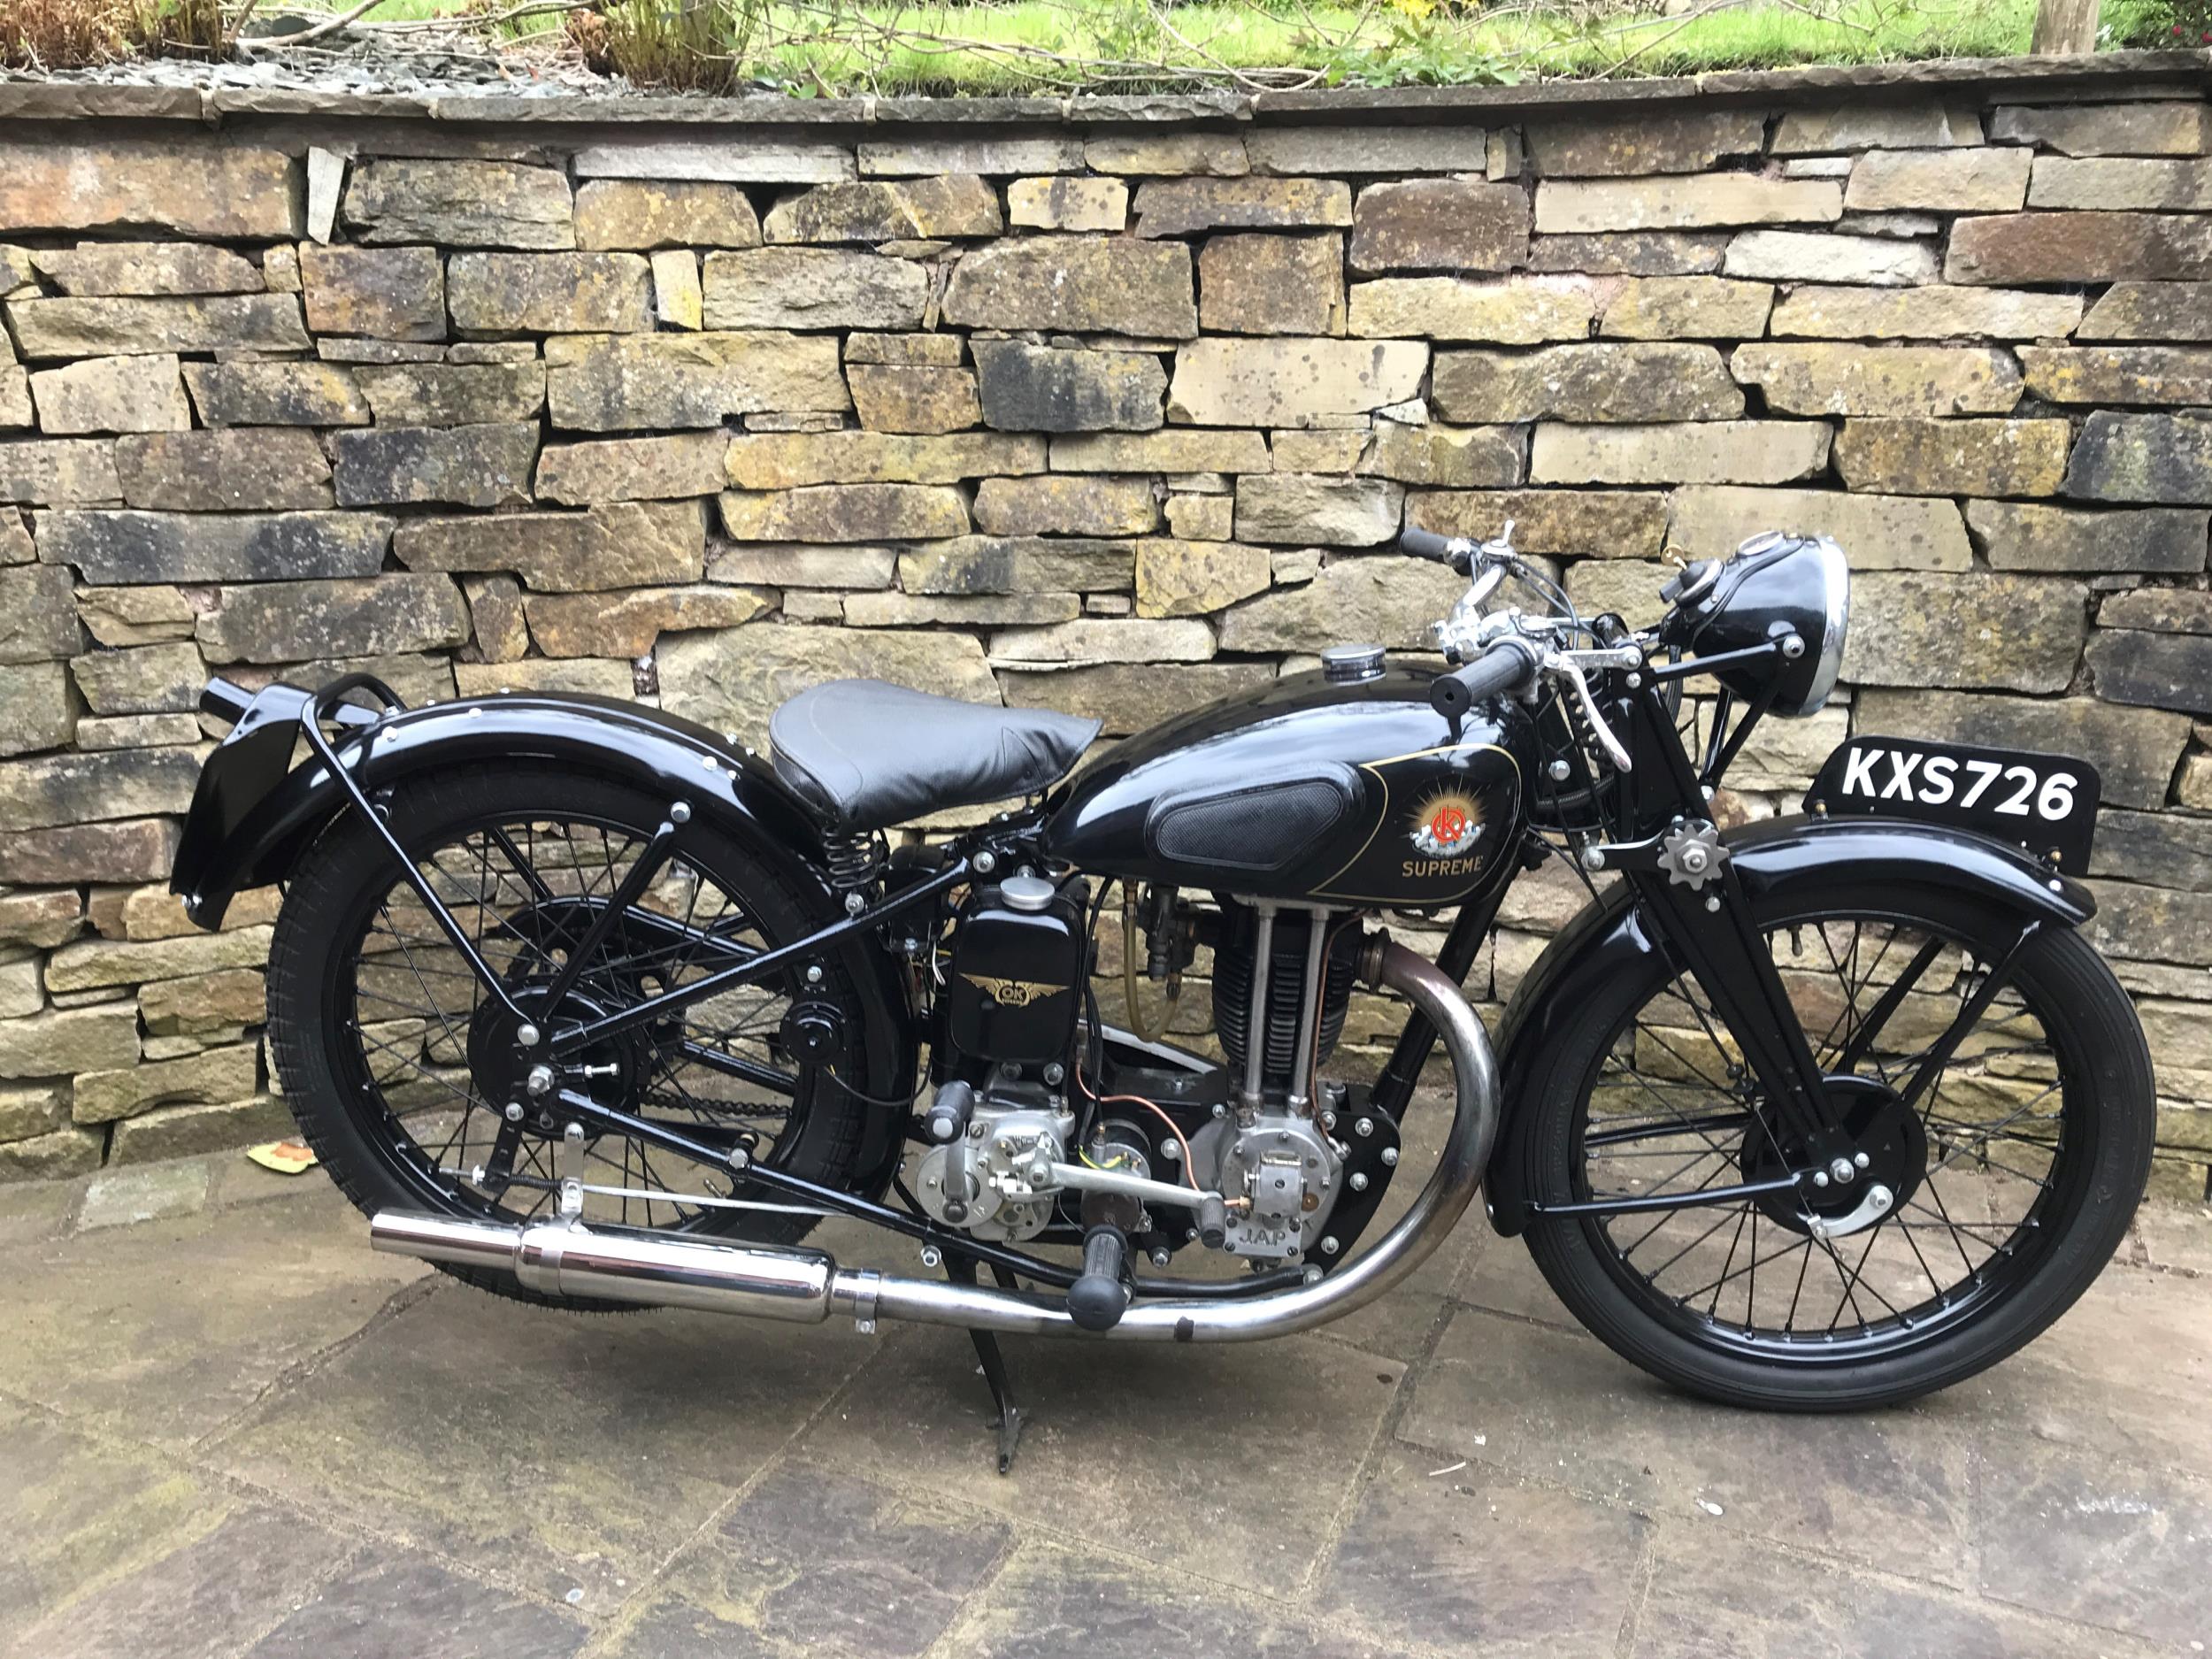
{"type": "Point", "coordinates": [1008, 1420]}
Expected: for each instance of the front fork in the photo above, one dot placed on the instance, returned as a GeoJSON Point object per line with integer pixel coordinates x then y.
{"type": "Point", "coordinates": [1707, 917]}
{"type": "Point", "coordinates": [1688, 885]}
{"type": "Point", "coordinates": [1687, 888]}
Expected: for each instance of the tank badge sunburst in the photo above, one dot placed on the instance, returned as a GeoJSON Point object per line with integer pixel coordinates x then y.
{"type": "Point", "coordinates": [1447, 824]}
{"type": "Point", "coordinates": [1012, 993]}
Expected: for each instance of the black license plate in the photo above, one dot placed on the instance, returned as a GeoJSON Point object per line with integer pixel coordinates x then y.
{"type": "Point", "coordinates": [2044, 804]}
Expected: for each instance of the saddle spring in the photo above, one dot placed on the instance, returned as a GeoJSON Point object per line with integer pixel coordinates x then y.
{"type": "Point", "coordinates": [854, 862]}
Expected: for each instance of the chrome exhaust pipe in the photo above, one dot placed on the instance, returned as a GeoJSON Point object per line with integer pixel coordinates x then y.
{"type": "Point", "coordinates": [806, 1286]}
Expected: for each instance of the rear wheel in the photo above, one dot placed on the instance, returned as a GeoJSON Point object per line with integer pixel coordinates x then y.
{"type": "Point", "coordinates": [396, 1064]}
{"type": "Point", "coordinates": [2006, 1179]}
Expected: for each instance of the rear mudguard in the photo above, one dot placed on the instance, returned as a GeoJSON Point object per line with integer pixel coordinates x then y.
{"type": "Point", "coordinates": [1780, 858]}
{"type": "Point", "coordinates": [252, 818]}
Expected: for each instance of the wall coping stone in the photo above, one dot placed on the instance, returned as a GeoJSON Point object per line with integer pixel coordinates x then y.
{"type": "Point", "coordinates": [2124, 73]}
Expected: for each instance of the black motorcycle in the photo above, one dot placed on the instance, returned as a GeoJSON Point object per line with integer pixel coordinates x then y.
{"type": "Point", "coordinates": [593, 1008]}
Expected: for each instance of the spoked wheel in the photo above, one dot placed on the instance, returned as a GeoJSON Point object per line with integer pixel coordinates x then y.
{"type": "Point", "coordinates": [403, 1073]}
{"type": "Point", "coordinates": [1982, 1194]}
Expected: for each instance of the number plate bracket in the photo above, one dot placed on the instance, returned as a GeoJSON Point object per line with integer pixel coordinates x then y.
{"type": "Point", "coordinates": [2046, 804]}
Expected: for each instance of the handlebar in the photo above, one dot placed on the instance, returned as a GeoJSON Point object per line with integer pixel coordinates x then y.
{"type": "Point", "coordinates": [1445, 550]}
{"type": "Point", "coordinates": [1509, 665]}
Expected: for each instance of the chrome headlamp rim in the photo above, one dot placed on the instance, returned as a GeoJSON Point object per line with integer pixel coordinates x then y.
{"type": "Point", "coordinates": [1836, 592]}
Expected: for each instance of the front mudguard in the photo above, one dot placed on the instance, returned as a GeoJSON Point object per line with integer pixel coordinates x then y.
{"type": "Point", "coordinates": [1779, 859]}
{"type": "Point", "coordinates": [252, 818]}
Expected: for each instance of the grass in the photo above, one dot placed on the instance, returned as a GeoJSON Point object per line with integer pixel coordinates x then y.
{"type": "Point", "coordinates": [1375, 46]}
{"type": "Point", "coordinates": [1114, 44]}
{"type": "Point", "coordinates": [828, 46]}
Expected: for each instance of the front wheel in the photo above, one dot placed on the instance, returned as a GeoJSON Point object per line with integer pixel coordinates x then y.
{"type": "Point", "coordinates": [2009, 1178]}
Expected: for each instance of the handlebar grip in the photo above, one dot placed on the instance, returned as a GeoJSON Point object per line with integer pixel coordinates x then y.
{"type": "Point", "coordinates": [1426, 544]}
{"type": "Point", "coordinates": [1505, 666]}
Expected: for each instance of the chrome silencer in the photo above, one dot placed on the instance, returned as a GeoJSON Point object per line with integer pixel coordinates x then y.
{"type": "Point", "coordinates": [651, 1270]}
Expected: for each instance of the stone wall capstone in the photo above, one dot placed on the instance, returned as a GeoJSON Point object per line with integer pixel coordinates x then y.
{"type": "Point", "coordinates": [1108, 405]}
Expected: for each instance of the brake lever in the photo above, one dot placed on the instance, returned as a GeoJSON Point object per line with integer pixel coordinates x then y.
{"type": "Point", "coordinates": [1563, 665]}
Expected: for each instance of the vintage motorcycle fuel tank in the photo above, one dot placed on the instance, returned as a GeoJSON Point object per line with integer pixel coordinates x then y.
{"type": "Point", "coordinates": [1312, 787]}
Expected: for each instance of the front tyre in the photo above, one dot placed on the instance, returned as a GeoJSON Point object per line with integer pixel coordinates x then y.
{"type": "Point", "coordinates": [2016, 1170]}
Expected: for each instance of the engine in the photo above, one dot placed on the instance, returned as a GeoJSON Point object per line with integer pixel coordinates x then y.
{"type": "Point", "coordinates": [1019, 1140]}
{"type": "Point", "coordinates": [1282, 985]}
{"type": "Point", "coordinates": [1290, 941]}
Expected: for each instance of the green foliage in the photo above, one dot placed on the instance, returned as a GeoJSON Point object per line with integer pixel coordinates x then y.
{"type": "Point", "coordinates": [1128, 32]}
{"type": "Point", "coordinates": [687, 45]}
{"type": "Point", "coordinates": [2170, 23]}
{"type": "Point", "coordinates": [1419, 47]}
{"type": "Point", "coordinates": [1015, 46]}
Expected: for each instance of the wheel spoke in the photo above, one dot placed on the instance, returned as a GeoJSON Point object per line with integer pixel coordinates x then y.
{"type": "Point", "coordinates": [1863, 1040]}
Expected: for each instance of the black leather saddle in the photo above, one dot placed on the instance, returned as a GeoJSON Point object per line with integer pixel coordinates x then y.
{"type": "Point", "coordinates": [865, 754]}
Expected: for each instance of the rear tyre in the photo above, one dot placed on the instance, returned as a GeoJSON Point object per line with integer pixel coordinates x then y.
{"type": "Point", "coordinates": [380, 1034]}
{"type": "Point", "coordinates": [2017, 1172]}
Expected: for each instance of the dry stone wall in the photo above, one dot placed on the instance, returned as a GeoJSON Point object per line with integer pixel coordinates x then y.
{"type": "Point", "coordinates": [1111, 410]}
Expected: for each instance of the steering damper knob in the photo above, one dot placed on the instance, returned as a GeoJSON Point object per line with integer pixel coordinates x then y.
{"type": "Point", "coordinates": [1691, 580]}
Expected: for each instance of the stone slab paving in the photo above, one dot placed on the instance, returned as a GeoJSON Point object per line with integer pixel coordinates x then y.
{"type": "Point", "coordinates": [227, 1429]}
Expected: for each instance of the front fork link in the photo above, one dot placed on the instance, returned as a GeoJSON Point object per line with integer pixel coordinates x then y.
{"type": "Point", "coordinates": [1685, 882]}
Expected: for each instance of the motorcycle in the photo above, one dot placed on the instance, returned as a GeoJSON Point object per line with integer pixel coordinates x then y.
{"type": "Point", "coordinates": [595, 1009]}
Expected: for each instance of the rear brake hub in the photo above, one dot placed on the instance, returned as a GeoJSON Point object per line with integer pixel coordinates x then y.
{"type": "Point", "coordinates": [613, 1071]}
